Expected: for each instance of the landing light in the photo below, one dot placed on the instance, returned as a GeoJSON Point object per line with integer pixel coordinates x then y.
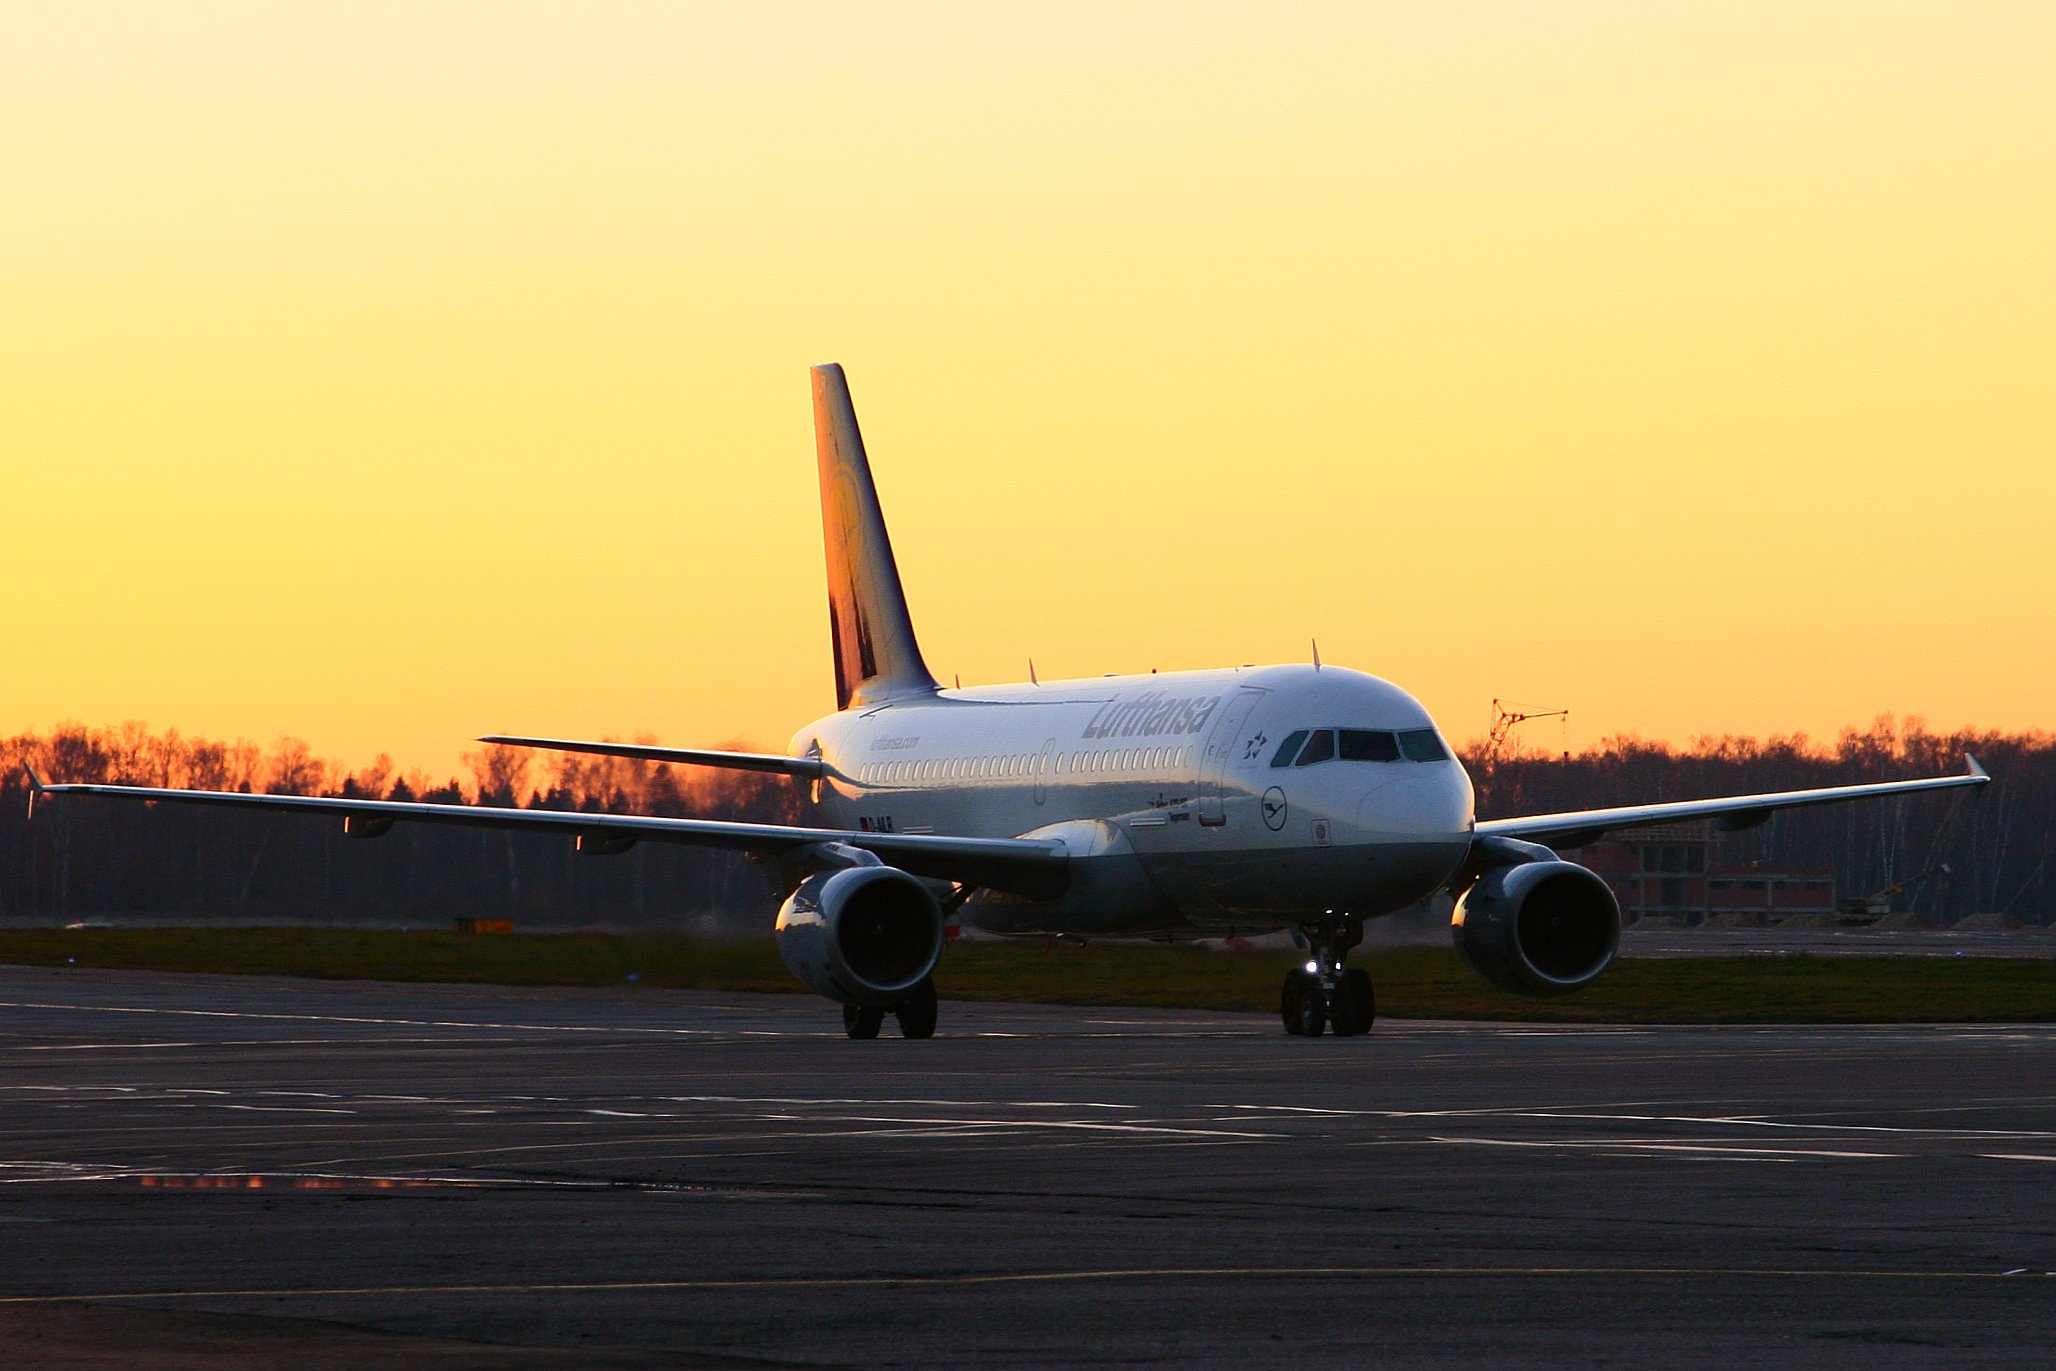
{"type": "Point", "coordinates": [1313, 968]}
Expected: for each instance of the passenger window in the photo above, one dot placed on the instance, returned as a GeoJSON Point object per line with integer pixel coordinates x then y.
{"type": "Point", "coordinates": [1421, 745]}
{"type": "Point", "coordinates": [1362, 745]}
{"type": "Point", "coordinates": [1289, 749]}
{"type": "Point", "coordinates": [1319, 748]}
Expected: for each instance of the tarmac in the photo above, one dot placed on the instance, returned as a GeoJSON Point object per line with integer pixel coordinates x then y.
{"type": "Point", "coordinates": [235, 1171]}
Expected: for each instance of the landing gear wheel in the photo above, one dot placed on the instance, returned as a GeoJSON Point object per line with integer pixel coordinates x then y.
{"type": "Point", "coordinates": [862, 1020]}
{"type": "Point", "coordinates": [1303, 1005]}
{"type": "Point", "coordinates": [916, 1013]}
{"type": "Point", "coordinates": [1355, 1003]}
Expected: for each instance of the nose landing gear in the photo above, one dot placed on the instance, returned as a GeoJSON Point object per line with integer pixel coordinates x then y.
{"type": "Point", "coordinates": [1325, 993]}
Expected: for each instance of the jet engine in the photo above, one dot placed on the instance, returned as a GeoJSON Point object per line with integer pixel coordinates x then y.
{"type": "Point", "coordinates": [864, 935]}
{"type": "Point", "coordinates": [1538, 928]}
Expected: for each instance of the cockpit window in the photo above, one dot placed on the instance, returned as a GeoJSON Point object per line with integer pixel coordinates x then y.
{"type": "Point", "coordinates": [1362, 745]}
{"type": "Point", "coordinates": [1319, 748]}
{"type": "Point", "coordinates": [1309, 746]}
{"type": "Point", "coordinates": [1421, 745]}
{"type": "Point", "coordinates": [1289, 749]}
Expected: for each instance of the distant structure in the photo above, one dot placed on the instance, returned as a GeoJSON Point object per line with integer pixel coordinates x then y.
{"type": "Point", "coordinates": [1677, 871]}
{"type": "Point", "coordinates": [1496, 765]}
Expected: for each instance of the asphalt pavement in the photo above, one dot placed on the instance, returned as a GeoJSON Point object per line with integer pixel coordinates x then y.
{"type": "Point", "coordinates": [232, 1171]}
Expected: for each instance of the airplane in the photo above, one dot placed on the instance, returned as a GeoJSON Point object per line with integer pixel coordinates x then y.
{"type": "Point", "coordinates": [1169, 806]}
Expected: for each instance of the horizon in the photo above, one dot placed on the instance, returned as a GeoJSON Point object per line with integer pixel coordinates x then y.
{"type": "Point", "coordinates": [1907, 736]}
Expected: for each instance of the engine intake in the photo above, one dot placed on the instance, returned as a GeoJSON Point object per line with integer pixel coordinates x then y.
{"type": "Point", "coordinates": [864, 935]}
{"type": "Point", "coordinates": [1538, 928]}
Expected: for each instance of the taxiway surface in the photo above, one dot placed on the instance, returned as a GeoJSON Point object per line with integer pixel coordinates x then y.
{"type": "Point", "coordinates": [236, 1170]}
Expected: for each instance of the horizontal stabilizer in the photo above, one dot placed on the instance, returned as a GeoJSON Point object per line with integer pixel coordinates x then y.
{"type": "Point", "coordinates": [807, 768]}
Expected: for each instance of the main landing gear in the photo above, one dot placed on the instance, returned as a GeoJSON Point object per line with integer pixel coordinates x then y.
{"type": "Point", "coordinates": [1325, 994]}
{"type": "Point", "coordinates": [916, 1014]}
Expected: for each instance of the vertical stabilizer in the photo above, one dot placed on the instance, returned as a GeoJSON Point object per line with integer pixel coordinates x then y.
{"type": "Point", "coordinates": [876, 656]}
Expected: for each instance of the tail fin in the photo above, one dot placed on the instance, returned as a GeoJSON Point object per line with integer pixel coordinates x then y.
{"type": "Point", "coordinates": [876, 656]}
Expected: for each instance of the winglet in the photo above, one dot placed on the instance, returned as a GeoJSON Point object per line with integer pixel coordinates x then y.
{"type": "Point", "coordinates": [36, 788]}
{"type": "Point", "coordinates": [1976, 769]}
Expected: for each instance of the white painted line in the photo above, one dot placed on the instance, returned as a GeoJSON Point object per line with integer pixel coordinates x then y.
{"type": "Point", "coordinates": [1611, 1145]}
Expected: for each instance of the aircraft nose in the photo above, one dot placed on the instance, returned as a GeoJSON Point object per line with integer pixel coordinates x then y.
{"type": "Point", "coordinates": [1428, 800]}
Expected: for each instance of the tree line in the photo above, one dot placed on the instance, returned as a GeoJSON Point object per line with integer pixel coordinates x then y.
{"type": "Point", "coordinates": [1995, 841]}
{"type": "Point", "coordinates": [84, 859]}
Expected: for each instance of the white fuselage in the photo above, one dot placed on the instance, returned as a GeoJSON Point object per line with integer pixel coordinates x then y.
{"type": "Point", "coordinates": [1166, 791]}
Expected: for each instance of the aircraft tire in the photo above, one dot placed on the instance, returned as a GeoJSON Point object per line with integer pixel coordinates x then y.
{"type": "Point", "coordinates": [1302, 1006]}
{"type": "Point", "coordinates": [862, 1020]}
{"type": "Point", "coordinates": [1355, 1003]}
{"type": "Point", "coordinates": [917, 1013]}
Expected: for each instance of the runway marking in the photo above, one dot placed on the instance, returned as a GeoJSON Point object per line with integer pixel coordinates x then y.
{"type": "Point", "coordinates": [496, 1103]}
{"type": "Point", "coordinates": [395, 1023]}
{"type": "Point", "coordinates": [915, 1127]}
{"type": "Point", "coordinates": [2019, 1157]}
{"type": "Point", "coordinates": [1054, 1278]}
{"type": "Point", "coordinates": [284, 1109]}
{"type": "Point", "coordinates": [1617, 1145]}
{"type": "Point", "coordinates": [94, 1047]}
{"type": "Point", "coordinates": [1732, 1121]}
{"type": "Point", "coordinates": [883, 1103]}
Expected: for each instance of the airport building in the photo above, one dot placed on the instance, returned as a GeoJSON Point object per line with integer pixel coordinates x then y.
{"type": "Point", "coordinates": [1677, 871]}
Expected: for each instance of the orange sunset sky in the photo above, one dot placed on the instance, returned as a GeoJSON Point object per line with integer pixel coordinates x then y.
{"type": "Point", "coordinates": [388, 374]}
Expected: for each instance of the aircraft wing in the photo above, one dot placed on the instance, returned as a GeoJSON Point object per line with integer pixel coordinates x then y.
{"type": "Point", "coordinates": [1026, 866]}
{"type": "Point", "coordinates": [1731, 813]}
{"type": "Point", "coordinates": [807, 768]}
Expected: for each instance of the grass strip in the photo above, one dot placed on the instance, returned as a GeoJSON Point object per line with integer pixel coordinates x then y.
{"type": "Point", "coordinates": [1421, 983]}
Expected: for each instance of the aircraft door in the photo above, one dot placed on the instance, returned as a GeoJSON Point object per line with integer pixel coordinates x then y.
{"type": "Point", "coordinates": [1042, 766]}
{"type": "Point", "coordinates": [1220, 750]}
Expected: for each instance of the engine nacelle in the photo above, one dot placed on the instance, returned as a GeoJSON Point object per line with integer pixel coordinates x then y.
{"type": "Point", "coordinates": [1538, 928]}
{"type": "Point", "coordinates": [863, 935]}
